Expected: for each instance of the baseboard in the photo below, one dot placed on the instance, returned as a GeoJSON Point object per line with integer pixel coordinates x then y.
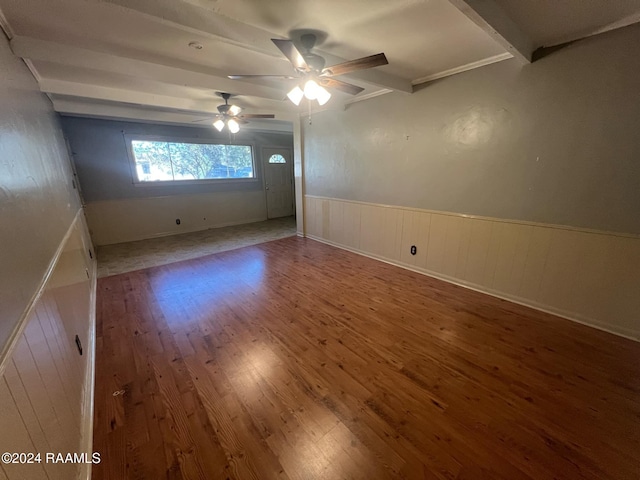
{"type": "Point", "coordinates": [629, 334]}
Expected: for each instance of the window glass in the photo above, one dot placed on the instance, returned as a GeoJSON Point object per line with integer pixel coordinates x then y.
{"type": "Point", "coordinates": [161, 161]}
{"type": "Point", "coordinates": [277, 158]}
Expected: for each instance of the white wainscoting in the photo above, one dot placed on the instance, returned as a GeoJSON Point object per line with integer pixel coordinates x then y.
{"type": "Point", "coordinates": [46, 387]}
{"type": "Point", "coordinates": [588, 276]}
{"type": "Point", "coordinates": [118, 221]}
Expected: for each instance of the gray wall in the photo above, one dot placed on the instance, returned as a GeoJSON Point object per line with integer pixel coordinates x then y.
{"type": "Point", "coordinates": [37, 202]}
{"type": "Point", "coordinates": [556, 141]}
{"type": "Point", "coordinates": [104, 169]}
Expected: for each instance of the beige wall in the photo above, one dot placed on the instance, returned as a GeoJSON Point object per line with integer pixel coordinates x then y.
{"type": "Point", "coordinates": [46, 295]}
{"type": "Point", "coordinates": [522, 182]}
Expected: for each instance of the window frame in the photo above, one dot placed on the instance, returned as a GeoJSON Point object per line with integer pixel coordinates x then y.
{"type": "Point", "coordinates": [130, 137]}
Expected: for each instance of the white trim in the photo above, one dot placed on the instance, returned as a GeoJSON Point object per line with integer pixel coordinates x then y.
{"type": "Point", "coordinates": [589, 322]}
{"type": "Point", "coordinates": [7, 349]}
{"type": "Point", "coordinates": [360, 98]}
{"type": "Point", "coordinates": [32, 69]}
{"type": "Point", "coordinates": [4, 25]}
{"type": "Point", "coordinates": [463, 68]}
{"type": "Point", "coordinates": [481, 217]}
{"type": "Point", "coordinates": [90, 374]}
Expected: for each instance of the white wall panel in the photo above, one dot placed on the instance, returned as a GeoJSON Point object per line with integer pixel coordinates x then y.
{"type": "Point", "coordinates": [589, 276]}
{"type": "Point", "coordinates": [437, 243]}
{"type": "Point", "coordinates": [352, 212]}
{"type": "Point", "coordinates": [478, 250]}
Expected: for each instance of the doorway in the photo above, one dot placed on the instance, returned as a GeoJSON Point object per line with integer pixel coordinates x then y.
{"type": "Point", "coordinates": [277, 165]}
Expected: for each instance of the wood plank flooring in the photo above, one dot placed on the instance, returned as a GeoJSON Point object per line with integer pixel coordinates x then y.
{"type": "Point", "coordinates": [296, 360]}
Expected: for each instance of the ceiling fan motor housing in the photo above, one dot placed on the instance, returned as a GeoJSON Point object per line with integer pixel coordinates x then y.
{"type": "Point", "coordinates": [316, 62]}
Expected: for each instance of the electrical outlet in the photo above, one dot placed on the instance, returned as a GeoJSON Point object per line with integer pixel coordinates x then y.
{"type": "Point", "coordinates": [414, 250]}
{"type": "Point", "coordinates": [177, 221]}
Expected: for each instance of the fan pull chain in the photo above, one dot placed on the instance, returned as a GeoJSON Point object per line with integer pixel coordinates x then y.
{"type": "Point", "coordinates": [309, 103]}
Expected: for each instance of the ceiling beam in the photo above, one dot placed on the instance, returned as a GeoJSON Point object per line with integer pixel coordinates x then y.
{"type": "Point", "coordinates": [83, 108]}
{"type": "Point", "coordinates": [41, 50]}
{"type": "Point", "coordinates": [207, 22]}
{"type": "Point", "coordinates": [111, 94]}
{"type": "Point", "coordinates": [491, 18]}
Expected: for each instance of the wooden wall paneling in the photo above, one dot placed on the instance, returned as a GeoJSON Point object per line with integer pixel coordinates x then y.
{"type": "Point", "coordinates": [45, 364]}
{"type": "Point", "coordinates": [316, 224]}
{"type": "Point", "coordinates": [325, 206]}
{"type": "Point", "coordinates": [524, 233]}
{"type": "Point", "coordinates": [63, 360]}
{"type": "Point", "coordinates": [437, 242]}
{"type": "Point", "coordinates": [311, 218]}
{"type": "Point", "coordinates": [463, 248]}
{"type": "Point", "coordinates": [478, 250]}
{"type": "Point", "coordinates": [591, 276]}
{"type": "Point", "coordinates": [391, 232]}
{"type": "Point", "coordinates": [410, 236]}
{"type": "Point", "coordinates": [415, 231]}
{"type": "Point", "coordinates": [452, 244]}
{"type": "Point", "coordinates": [38, 394]}
{"type": "Point", "coordinates": [559, 273]}
{"type": "Point", "coordinates": [28, 414]}
{"type": "Point", "coordinates": [13, 428]}
{"type": "Point", "coordinates": [493, 251]}
{"type": "Point", "coordinates": [424, 224]}
{"type": "Point", "coordinates": [535, 263]}
{"type": "Point", "coordinates": [352, 224]}
{"type": "Point", "coordinates": [369, 235]}
{"type": "Point", "coordinates": [508, 242]}
{"type": "Point", "coordinates": [320, 218]}
{"type": "Point", "coordinates": [623, 282]}
{"type": "Point", "coordinates": [309, 215]}
{"type": "Point", "coordinates": [336, 222]}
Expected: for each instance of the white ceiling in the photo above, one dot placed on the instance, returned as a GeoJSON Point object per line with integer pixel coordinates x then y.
{"type": "Point", "coordinates": [131, 59]}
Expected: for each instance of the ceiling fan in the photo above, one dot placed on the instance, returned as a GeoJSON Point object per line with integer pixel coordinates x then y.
{"type": "Point", "coordinates": [229, 115]}
{"type": "Point", "coordinates": [310, 68]}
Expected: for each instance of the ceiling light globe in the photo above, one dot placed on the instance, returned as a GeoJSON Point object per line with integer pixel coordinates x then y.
{"type": "Point", "coordinates": [234, 127]}
{"type": "Point", "coordinates": [219, 124]}
{"type": "Point", "coordinates": [311, 89]}
{"type": "Point", "coordinates": [296, 95]}
{"type": "Point", "coordinates": [323, 95]}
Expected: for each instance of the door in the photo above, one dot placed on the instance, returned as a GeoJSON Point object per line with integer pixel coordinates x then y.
{"type": "Point", "coordinates": [278, 181]}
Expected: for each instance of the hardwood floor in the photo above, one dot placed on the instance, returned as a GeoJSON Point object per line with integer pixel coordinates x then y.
{"type": "Point", "coordinates": [296, 360]}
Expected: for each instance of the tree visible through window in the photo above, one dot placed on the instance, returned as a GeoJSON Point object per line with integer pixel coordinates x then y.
{"type": "Point", "coordinates": [158, 161]}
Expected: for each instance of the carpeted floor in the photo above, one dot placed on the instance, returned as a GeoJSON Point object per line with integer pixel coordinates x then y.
{"type": "Point", "coordinates": [126, 257]}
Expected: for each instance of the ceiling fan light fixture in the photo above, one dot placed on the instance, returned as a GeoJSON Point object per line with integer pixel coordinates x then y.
{"type": "Point", "coordinates": [296, 95]}
{"type": "Point", "coordinates": [234, 127]}
{"type": "Point", "coordinates": [323, 95]}
{"type": "Point", "coordinates": [311, 89]}
{"type": "Point", "coordinates": [219, 124]}
{"type": "Point", "coordinates": [234, 110]}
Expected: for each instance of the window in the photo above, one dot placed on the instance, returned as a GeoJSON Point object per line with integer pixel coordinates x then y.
{"type": "Point", "coordinates": [277, 159]}
{"type": "Point", "coordinates": [166, 161]}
